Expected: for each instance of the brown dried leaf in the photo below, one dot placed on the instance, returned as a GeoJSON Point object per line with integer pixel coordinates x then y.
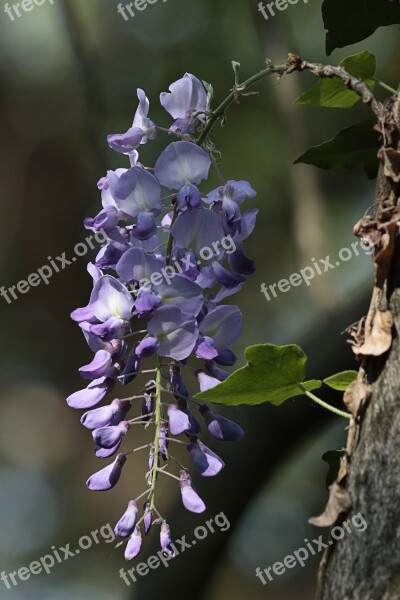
{"type": "Point", "coordinates": [380, 338]}
{"type": "Point", "coordinates": [339, 502]}
{"type": "Point", "coordinates": [354, 395]}
{"type": "Point", "coordinates": [391, 163]}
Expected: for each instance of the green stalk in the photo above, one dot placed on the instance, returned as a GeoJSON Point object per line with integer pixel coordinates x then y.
{"type": "Point", "coordinates": [157, 422]}
{"type": "Point", "coordinates": [237, 91]}
{"type": "Point", "coordinates": [332, 409]}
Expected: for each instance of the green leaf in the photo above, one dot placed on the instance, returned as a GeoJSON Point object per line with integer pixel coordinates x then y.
{"type": "Point", "coordinates": [354, 146]}
{"type": "Point", "coordinates": [350, 21]}
{"type": "Point", "coordinates": [272, 374]}
{"type": "Point", "coordinates": [333, 459]}
{"type": "Point", "coordinates": [341, 381]}
{"type": "Point", "coordinates": [332, 93]}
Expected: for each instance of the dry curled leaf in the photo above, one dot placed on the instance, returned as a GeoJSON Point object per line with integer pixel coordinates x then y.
{"type": "Point", "coordinates": [354, 395]}
{"type": "Point", "coordinates": [339, 502]}
{"type": "Point", "coordinates": [380, 339]}
{"type": "Point", "coordinates": [391, 163]}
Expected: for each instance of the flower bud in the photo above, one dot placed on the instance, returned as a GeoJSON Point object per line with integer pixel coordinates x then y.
{"type": "Point", "coordinates": [205, 461]}
{"type": "Point", "coordinates": [134, 545]}
{"type": "Point", "coordinates": [108, 477]}
{"type": "Point", "coordinates": [125, 526]}
{"type": "Point", "coordinates": [221, 428]}
{"type": "Point", "coordinates": [191, 500]}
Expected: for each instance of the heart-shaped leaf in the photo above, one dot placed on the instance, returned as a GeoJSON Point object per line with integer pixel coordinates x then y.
{"type": "Point", "coordinates": [350, 21]}
{"type": "Point", "coordinates": [354, 146]}
{"type": "Point", "coordinates": [273, 374]}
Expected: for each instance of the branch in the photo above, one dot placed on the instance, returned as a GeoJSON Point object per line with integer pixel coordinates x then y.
{"type": "Point", "coordinates": [358, 86]}
{"type": "Point", "coordinates": [294, 63]}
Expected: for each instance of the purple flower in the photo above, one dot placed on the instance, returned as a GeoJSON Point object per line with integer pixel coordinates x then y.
{"type": "Point", "coordinates": [221, 428]}
{"type": "Point", "coordinates": [108, 437]}
{"type": "Point", "coordinates": [92, 395]}
{"type": "Point", "coordinates": [186, 97]}
{"type": "Point", "coordinates": [142, 130]}
{"type": "Point", "coordinates": [112, 305]}
{"type": "Point", "coordinates": [134, 545]}
{"type": "Point", "coordinates": [191, 500]}
{"type": "Point", "coordinates": [126, 525]}
{"type": "Point", "coordinates": [112, 414]}
{"type": "Point", "coordinates": [108, 477]}
{"type": "Point", "coordinates": [206, 462]}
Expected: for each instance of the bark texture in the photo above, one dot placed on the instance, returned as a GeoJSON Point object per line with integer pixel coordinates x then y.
{"type": "Point", "coordinates": [366, 565]}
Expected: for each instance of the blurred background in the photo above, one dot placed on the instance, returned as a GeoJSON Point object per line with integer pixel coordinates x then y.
{"type": "Point", "coordinates": [68, 77]}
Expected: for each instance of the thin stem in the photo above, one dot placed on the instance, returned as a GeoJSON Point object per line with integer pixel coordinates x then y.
{"type": "Point", "coordinates": [170, 236]}
{"type": "Point", "coordinates": [137, 449]}
{"type": "Point", "coordinates": [169, 474]}
{"type": "Point", "coordinates": [341, 413]}
{"type": "Point", "coordinates": [236, 91]}
{"type": "Point", "coordinates": [385, 86]}
{"type": "Point", "coordinates": [157, 421]}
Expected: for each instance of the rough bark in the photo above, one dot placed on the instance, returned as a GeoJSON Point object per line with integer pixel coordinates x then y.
{"type": "Point", "coordinates": [366, 565]}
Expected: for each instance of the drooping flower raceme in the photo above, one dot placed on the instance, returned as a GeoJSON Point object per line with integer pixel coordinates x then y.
{"type": "Point", "coordinates": [173, 256]}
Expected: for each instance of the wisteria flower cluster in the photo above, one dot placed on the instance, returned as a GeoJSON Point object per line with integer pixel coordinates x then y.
{"type": "Point", "coordinates": [158, 293]}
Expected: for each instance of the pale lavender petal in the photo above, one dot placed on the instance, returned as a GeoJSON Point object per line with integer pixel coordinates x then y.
{"type": "Point", "coordinates": [206, 382]}
{"type": "Point", "coordinates": [178, 420]}
{"type": "Point", "coordinates": [176, 331]}
{"type": "Point", "coordinates": [136, 191]}
{"type": "Point", "coordinates": [185, 95]}
{"type": "Point", "coordinates": [126, 142]}
{"type": "Point", "coordinates": [206, 349]}
{"type": "Point", "coordinates": [134, 545]}
{"type": "Point", "coordinates": [197, 229]}
{"type": "Point", "coordinates": [111, 299]}
{"type": "Point", "coordinates": [90, 396]}
{"type": "Point", "coordinates": [182, 163]}
{"type": "Point", "coordinates": [137, 265]}
{"type": "Point", "coordinates": [99, 366]}
{"type": "Point", "coordinates": [182, 293]}
{"type": "Point", "coordinates": [223, 324]}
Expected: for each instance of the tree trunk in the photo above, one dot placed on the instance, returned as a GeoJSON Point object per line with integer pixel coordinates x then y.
{"type": "Point", "coordinates": [366, 565]}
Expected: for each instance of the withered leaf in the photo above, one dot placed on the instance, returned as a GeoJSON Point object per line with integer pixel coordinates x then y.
{"type": "Point", "coordinates": [380, 338]}
{"type": "Point", "coordinates": [339, 502]}
{"type": "Point", "coordinates": [353, 396]}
